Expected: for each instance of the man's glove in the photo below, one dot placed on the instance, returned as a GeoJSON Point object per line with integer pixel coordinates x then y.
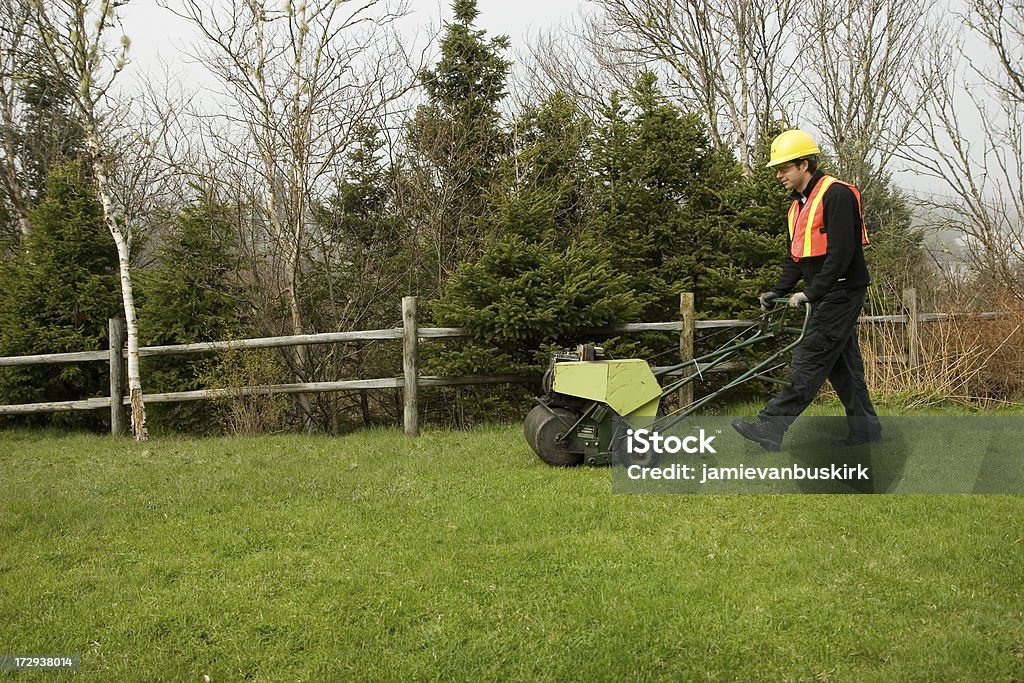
{"type": "Point", "coordinates": [766, 300]}
{"type": "Point", "coordinates": [797, 300]}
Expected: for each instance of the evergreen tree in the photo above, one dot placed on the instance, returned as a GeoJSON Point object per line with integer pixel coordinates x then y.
{"type": "Point", "coordinates": [543, 190]}
{"type": "Point", "coordinates": [542, 280]}
{"type": "Point", "coordinates": [355, 279]}
{"type": "Point", "coordinates": [749, 242]}
{"type": "Point", "coordinates": [677, 213]}
{"type": "Point", "coordinates": [57, 295]}
{"type": "Point", "coordinates": [46, 135]}
{"type": "Point", "coordinates": [52, 135]}
{"type": "Point", "coordinates": [363, 258]}
{"type": "Point", "coordinates": [523, 297]}
{"type": "Point", "coordinates": [189, 297]}
{"type": "Point", "coordinates": [455, 143]}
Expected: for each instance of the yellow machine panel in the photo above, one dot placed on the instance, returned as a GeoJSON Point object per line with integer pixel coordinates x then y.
{"type": "Point", "coordinates": [627, 386]}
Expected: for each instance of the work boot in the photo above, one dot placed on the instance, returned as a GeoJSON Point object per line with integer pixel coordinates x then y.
{"type": "Point", "coordinates": [760, 432]}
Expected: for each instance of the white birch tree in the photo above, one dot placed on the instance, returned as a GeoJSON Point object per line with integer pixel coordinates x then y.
{"type": "Point", "coordinates": [76, 36]}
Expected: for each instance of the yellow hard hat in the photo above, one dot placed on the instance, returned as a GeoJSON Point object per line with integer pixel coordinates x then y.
{"type": "Point", "coordinates": [792, 144]}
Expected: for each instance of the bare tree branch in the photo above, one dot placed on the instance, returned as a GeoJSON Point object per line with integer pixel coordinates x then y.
{"type": "Point", "coordinates": [867, 65]}
{"type": "Point", "coordinates": [299, 80]}
{"type": "Point", "coordinates": [975, 153]}
{"type": "Point", "coordinates": [733, 61]}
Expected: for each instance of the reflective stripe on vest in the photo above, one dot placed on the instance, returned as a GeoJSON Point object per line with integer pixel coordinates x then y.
{"type": "Point", "coordinates": [805, 222]}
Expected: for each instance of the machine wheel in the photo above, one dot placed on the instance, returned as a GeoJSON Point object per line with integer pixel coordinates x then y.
{"type": "Point", "coordinates": [645, 460]}
{"type": "Point", "coordinates": [543, 428]}
{"type": "Point", "coordinates": [622, 455]}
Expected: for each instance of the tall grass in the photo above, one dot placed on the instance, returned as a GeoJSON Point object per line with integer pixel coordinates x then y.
{"type": "Point", "coordinates": [963, 359]}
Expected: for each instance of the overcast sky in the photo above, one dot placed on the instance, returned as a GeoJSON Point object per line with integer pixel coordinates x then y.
{"type": "Point", "coordinates": [160, 39]}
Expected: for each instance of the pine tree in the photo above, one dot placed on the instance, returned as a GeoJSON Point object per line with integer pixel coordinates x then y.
{"type": "Point", "coordinates": [51, 135]}
{"type": "Point", "coordinates": [363, 260]}
{"type": "Point", "coordinates": [455, 143]}
{"type": "Point", "coordinates": [58, 293]}
{"type": "Point", "coordinates": [677, 213]}
{"type": "Point", "coordinates": [743, 223]}
{"type": "Point", "coordinates": [356, 278]}
{"type": "Point", "coordinates": [191, 296]}
{"type": "Point", "coordinates": [542, 280]}
{"type": "Point", "coordinates": [43, 136]}
{"type": "Point", "coordinates": [543, 190]}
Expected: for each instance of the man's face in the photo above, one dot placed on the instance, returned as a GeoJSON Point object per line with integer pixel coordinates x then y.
{"type": "Point", "coordinates": [793, 175]}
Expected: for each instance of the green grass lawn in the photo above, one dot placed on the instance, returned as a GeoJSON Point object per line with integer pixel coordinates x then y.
{"type": "Point", "coordinates": [460, 556]}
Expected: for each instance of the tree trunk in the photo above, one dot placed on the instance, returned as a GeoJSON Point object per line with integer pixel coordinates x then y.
{"type": "Point", "coordinates": [301, 352]}
{"type": "Point", "coordinates": [127, 294]}
{"type": "Point", "coordinates": [134, 375]}
{"type": "Point", "coordinates": [14, 189]}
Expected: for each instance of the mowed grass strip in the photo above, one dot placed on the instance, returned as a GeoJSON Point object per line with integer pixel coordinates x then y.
{"type": "Point", "coordinates": [460, 556]}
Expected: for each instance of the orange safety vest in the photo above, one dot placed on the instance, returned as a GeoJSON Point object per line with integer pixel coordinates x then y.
{"type": "Point", "coordinates": [806, 221]}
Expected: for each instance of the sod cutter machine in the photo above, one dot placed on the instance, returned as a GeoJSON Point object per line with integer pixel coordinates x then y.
{"type": "Point", "coordinates": [589, 402]}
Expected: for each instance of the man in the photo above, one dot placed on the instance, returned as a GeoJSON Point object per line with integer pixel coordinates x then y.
{"type": "Point", "coordinates": [826, 238]}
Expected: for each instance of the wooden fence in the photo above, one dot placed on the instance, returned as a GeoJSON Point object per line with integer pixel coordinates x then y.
{"type": "Point", "coordinates": [410, 334]}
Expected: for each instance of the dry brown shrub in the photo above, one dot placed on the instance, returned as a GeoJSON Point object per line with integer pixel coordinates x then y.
{"type": "Point", "coordinates": [970, 357]}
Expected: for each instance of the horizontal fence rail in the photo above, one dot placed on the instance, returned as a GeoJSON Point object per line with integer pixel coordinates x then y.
{"type": "Point", "coordinates": [410, 335]}
{"type": "Point", "coordinates": [393, 334]}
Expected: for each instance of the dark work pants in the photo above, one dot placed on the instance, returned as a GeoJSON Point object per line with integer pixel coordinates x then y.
{"type": "Point", "coordinates": [828, 351]}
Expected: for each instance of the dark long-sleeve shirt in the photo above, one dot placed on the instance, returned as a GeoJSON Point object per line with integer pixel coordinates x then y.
{"type": "Point", "coordinates": [843, 264]}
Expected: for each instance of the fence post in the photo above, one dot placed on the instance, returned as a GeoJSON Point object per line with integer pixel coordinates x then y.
{"type": "Point", "coordinates": [913, 338]}
{"type": "Point", "coordinates": [118, 383]}
{"type": "Point", "coordinates": [686, 315]}
{"type": "Point", "coordinates": [364, 406]}
{"type": "Point", "coordinates": [410, 359]}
